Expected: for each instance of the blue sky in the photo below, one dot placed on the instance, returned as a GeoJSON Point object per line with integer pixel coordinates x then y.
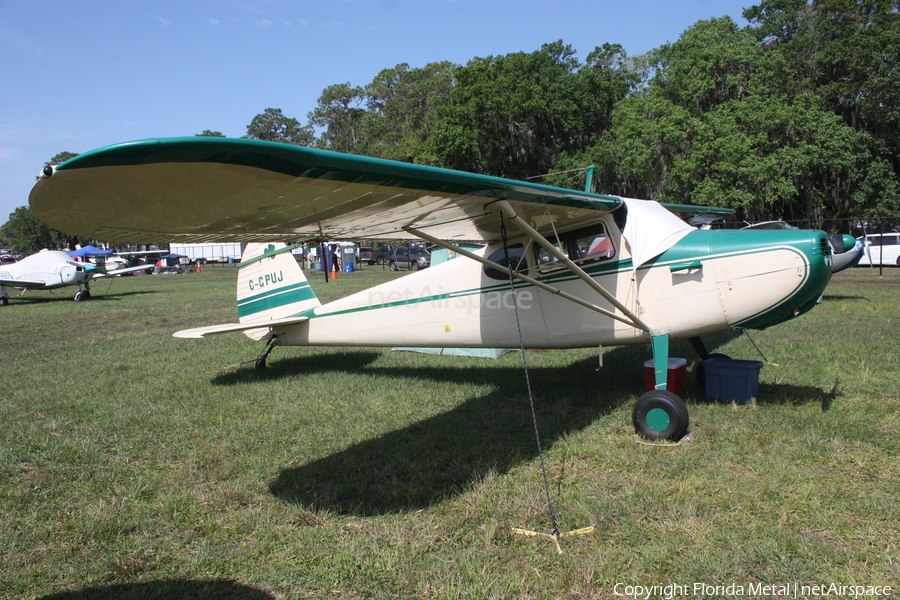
{"type": "Point", "coordinates": [81, 74]}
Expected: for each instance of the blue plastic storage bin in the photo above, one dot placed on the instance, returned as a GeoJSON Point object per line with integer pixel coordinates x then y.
{"type": "Point", "coordinates": [731, 380]}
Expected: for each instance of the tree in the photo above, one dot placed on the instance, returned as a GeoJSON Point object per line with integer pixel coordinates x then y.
{"type": "Point", "coordinates": [273, 126]}
{"type": "Point", "coordinates": [208, 133]}
{"type": "Point", "coordinates": [339, 112]}
{"type": "Point", "coordinates": [847, 53]}
{"type": "Point", "coordinates": [513, 115]}
{"type": "Point", "coordinates": [28, 234]}
{"type": "Point", "coordinates": [727, 120]}
{"type": "Point", "coordinates": [403, 108]}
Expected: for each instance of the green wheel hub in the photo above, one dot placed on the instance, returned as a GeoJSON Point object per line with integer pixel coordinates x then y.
{"type": "Point", "coordinates": [658, 419]}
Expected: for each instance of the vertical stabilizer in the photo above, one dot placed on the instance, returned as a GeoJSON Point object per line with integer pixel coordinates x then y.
{"type": "Point", "coordinates": [271, 284]}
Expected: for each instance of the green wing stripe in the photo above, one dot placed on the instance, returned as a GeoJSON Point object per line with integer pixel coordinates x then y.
{"type": "Point", "coordinates": [276, 298]}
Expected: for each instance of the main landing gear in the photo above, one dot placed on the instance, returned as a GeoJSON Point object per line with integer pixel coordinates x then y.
{"type": "Point", "coordinates": [660, 414]}
{"type": "Point", "coordinates": [82, 294]}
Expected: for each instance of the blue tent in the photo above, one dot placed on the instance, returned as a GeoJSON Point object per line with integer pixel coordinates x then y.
{"type": "Point", "coordinates": [172, 259]}
{"type": "Point", "coordinates": [86, 251]}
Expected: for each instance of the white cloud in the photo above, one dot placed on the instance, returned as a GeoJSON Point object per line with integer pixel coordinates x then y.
{"type": "Point", "coordinates": [213, 21]}
{"type": "Point", "coordinates": [162, 21]}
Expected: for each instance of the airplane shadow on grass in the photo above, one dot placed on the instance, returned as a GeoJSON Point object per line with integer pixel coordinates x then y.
{"type": "Point", "coordinates": [44, 296]}
{"type": "Point", "coordinates": [440, 456]}
{"type": "Point", "coordinates": [424, 463]}
{"type": "Point", "coordinates": [171, 589]}
{"type": "Point", "coordinates": [416, 466]}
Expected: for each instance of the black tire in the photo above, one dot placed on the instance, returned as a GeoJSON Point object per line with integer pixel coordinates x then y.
{"type": "Point", "coordinates": [77, 297]}
{"type": "Point", "coordinates": [700, 372]}
{"type": "Point", "coordinates": [4, 300]}
{"type": "Point", "coordinates": [394, 266]}
{"type": "Point", "coordinates": [660, 415]}
{"type": "Point", "coordinates": [379, 261]}
{"type": "Point", "coordinates": [414, 266]}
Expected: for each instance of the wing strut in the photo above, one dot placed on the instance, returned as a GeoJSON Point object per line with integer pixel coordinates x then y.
{"type": "Point", "coordinates": [575, 269]}
{"type": "Point", "coordinates": [629, 319]}
{"type": "Point", "coordinates": [530, 280]}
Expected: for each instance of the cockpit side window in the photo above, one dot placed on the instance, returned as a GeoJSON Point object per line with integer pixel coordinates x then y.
{"type": "Point", "coordinates": [582, 246]}
{"type": "Point", "coordinates": [516, 257]}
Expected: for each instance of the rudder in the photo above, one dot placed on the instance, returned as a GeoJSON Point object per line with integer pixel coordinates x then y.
{"type": "Point", "coordinates": [271, 285]}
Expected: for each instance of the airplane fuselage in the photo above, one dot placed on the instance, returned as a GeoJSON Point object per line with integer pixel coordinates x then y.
{"type": "Point", "coordinates": [709, 281]}
{"type": "Point", "coordinates": [55, 268]}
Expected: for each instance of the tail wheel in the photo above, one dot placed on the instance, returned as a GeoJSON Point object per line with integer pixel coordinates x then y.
{"type": "Point", "coordinates": [660, 415]}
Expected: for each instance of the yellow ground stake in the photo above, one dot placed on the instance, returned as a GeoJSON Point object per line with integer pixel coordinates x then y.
{"type": "Point", "coordinates": [555, 535]}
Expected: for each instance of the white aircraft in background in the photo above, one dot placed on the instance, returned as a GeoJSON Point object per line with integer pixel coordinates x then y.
{"type": "Point", "coordinates": [558, 268]}
{"type": "Point", "coordinates": [52, 269]}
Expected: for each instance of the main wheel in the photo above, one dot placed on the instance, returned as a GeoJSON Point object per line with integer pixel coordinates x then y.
{"type": "Point", "coordinates": [4, 300]}
{"type": "Point", "coordinates": [660, 415]}
{"type": "Point", "coordinates": [77, 297]}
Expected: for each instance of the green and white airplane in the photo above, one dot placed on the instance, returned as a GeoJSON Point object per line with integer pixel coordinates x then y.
{"type": "Point", "coordinates": [558, 268]}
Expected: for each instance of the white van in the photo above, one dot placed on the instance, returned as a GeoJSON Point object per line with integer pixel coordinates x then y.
{"type": "Point", "coordinates": [883, 248]}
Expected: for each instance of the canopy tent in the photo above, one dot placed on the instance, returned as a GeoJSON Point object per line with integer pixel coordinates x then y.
{"type": "Point", "coordinates": [172, 258]}
{"type": "Point", "coordinates": [86, 251]}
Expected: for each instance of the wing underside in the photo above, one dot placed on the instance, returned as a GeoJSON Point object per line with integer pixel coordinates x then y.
{"type": "Point", "coordinates": [215, 189]}
{"type": "Point", "coordinates": [23, 283]}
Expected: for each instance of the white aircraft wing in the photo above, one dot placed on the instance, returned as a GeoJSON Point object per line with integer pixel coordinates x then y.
{"type": "Point", "coordinates": [115, 272]}
{"type": "Point", "coordinates": [203, 189]}
{"type": "Point", "coordinates": [199, 332]}
{"type": "Point", "coordinates": [24, 283]}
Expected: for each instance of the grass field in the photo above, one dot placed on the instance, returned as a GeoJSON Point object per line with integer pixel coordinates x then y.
{"type": "Point", "coordinates": [135, 465]}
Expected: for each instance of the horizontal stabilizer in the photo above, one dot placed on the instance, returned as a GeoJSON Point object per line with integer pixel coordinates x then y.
{"type": "Point", "coordinates": [199, 332]}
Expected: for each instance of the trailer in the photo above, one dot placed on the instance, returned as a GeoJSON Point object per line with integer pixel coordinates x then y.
{"type": "Point", "coordinates": [211, 252]}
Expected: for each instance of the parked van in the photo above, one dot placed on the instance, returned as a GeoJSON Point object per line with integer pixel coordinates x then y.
{"type": "Point", "coordinates": [883, 248]}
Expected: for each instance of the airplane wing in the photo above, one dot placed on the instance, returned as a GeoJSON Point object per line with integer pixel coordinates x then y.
{"type": "Point", "coordinates": [217, 189]}
{"type": "Point", "coordinates": [23, 283]}
{"type": "Point", "coordinates": [115, 272]}
{"type": "Point", "coordinates": [199, 332]}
